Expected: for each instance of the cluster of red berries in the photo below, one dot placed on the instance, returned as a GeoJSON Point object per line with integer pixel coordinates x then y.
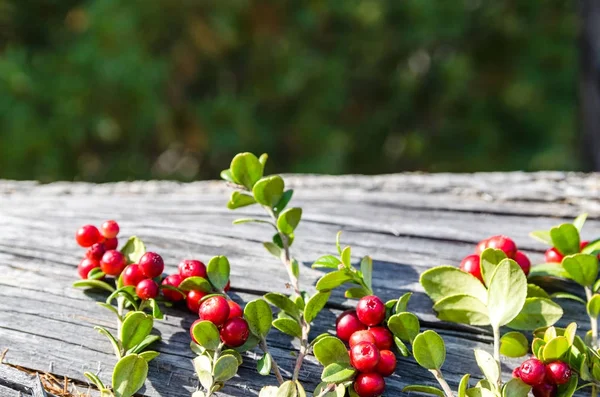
{"type": "Point", "coordinates": [370, 345]}
{"type": "Point", "coordinates": [553, 255]}
{"type": "Point", "coordinates": [227, 316]}
{"type": "Point", "coordinates": [544, 378]}
{"type": "Point", "coordinates": [101, 249]}
{"type": "Point", "coordinates": [471, 264]}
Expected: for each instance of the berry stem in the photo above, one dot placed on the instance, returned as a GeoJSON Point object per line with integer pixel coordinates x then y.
{"type": "Point", "coordinates": [440, 378]}
{"type": "Point", "coordinates": [593, 321]}
{"type": "Point", "coordinates": [263, 346]}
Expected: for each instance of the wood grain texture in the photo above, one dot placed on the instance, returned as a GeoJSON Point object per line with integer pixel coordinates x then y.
{"type": "Point", "coordinates": [406, 222]}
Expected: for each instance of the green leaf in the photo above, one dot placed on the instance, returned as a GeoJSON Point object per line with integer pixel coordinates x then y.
{"type": "Point", "coordinates": [195, 283]}
{"type": "Point", "coordinates": [356, 293]}
{"type": "Point", "coordinates": [108, 306]}
{"type": "Point", "coordinates": [279, 242]}
{"type": "Point", "coordinates": [285, 199]}
{"type": "Point", "coordinates": [536, 313]}
{"type": "Point", "coordinates": [515, 388]}
{"type": "Point", "coordinates": [346, 256]}
{"type": "Point", "coordinates": [488, 366]}
{"type": "Point", "coordinates": [542, 236]}
{"type": "Point", "coordinates": [535, 291]}
{"type": "Point", "coordinates": [93, 284]}
{"type": "Point", "coordinates": [233, 353]}
{"type": "Point", "coordinates": [429, 350]}
{"type": "Point", "coordinates": [366, 268]}
{"type": "Point", "coordinates": [149, 355]}
{"type": "Point", "coordinates": [289, 219]}
{"type": "Point", "coordinates": [273, 249]}
{"type": "Point", "coordinates": [268, 391]}
{"type": "Point", "coordinates": [156, 313]}
{"type": "Point", "coordinates": [135, 328]}
{"type": "Point", "coordinates": [327, 261]}
{"type": "Point", "coordinates": [258, 314]}
{"type": "Point", "coordinates": [127, 293]}
{"type": "Point", "coordinates": [206, 334]}
{"type": "Point", "coordinates": [284, 303]}
{"type": "Point", "coordinates": [404, 325]}
{"type": "Point", "coordinates": [596, 286]}
{"type": "Point", "coordinates": [133, 249]}
{"type": "Point", "coordinates": [269, 190]}
{"type": "Point", "coordinates": [480, 392]}
{"type": "Point", "coordinates": [570, 333]}
{"type": "Point", "coordinates": [263, 159]}
{"type": "Point", "coordinates": [514, 344]}
{"type": "Point", "coordinates": [250, 344]}
{"type": "Point", "coordinates": [113, 341]}
{"type": "Point", "coordinates": [288, 326]}
{"type": "Point", "coordinates": [295, 268]}
{"type": "Point", "coordinates": [555, 348]}
{"type": "Point", "coordinates": [401, 346]}
{"type": "Point", "coordinates": [506, 293]}
{"type": "Point", "coordinates": [593, 306]}
{"type": "Point", "coordinates": [95, 380]}
{"type": "Point", "coordinates": [246, 169]}
{"type": "Point", "coordinates": [315, 304]}
{"type": "Point", "coordinates": [337, 242]}
{"type": "Point", "coordinates": [95, 274]}
{"type": "Point", "coordinates": [568, 389]}
{"type": "Point", "coordinates": [565, 238]}
{"type": "Point", "coordinates": [443, 281]}
{"type": "Point", "coordinates": [582, 268]}
{"type": "Point", "coordinates": [434, 391]}
{"type": "Point", "coordinates": [462, 309]}
{"type": "Point", "coordinates": [129, 375]}
{"type": "Point", "coordinates": [548, 270]}
{"type": "Point", "coordinates": [228, 176]}
{"type": "Point", "coordinates": [339, 391]}
{"type": "Point", "coordinates": [490, 258]}
{"type": "Point", "coordinates": [536, 347]}
{"type": "Point", "coordinates": [333, 280]}
{"type": "Point", "coordinates": [239, 200]}
{"type": "Point", "coordinates": [335, 373]}
{"type": "Point", "coordinates": [329, 350]}
{"type": "Point", "coordinates": [218, 271]}
{"type": "Point", "coordinates": [263, 365]}
{"type": "Point", "coordinates": [225, 368]}
{"type": "Point", "coordinates": [580, 221]}
{"type": "Point", "coordinates": [592, 248]}
{"type": "Point", "coordinates": [566, 295]}
{"type": "Point", "coordinates": [150, 339]}
{"type": "Point", "coordinates": [287, 389]}
{"type": "Point", "coordinates": [463, 385]}
{"type": "Point", "coordinates": [402, 303]}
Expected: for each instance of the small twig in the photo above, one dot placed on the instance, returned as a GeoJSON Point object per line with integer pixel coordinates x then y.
{"type": "Point", "coordinates": [263, 346]}
{"type": "Point", "coordinates": [440, 378]}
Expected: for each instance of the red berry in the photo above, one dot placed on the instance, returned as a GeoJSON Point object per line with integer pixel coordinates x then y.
{"type": "Point", "coordinates": [96, 251]}
{"type": "Point", "coordinates": [558, 372]}
{"type": "Point", "coordinates": [147, 289]}
{"type": "Point", "coordinates": [364, 356]}
{"type": "Point", "coordinates": [235, 332]}
{"type": "Point", "coordinates": [553, 256]}
{"type": "Point", "coordinates": [583, 244]}
{"type": "Point", "coordinates": [370, 310]}
{"type": "Point", "coordinates": [523, 261]}
{"type": "Point", "coordinates": [348, 323]}
{"type": "Point", "coordinates": [471, 264]}
{"type": "Point", "coordinates": [545, 390]}
{"type": "Point", "coordinates": [369, 385]}
{"type": "Point", "coordinates": [191, 328]}
{"type": "Point", "coordinates": [152, 264]}
{"type": "Point", "coordinates": [85, 266]}
{"type": "Point", "coordinates": [111, 243]}
{"type": "Point", "coordinates": [516, 372]}
{"type": "Point", "coordinates": [87, 235]}
{"type": "Point", "coordinates": [215, 309]}
{"type": "Point", "coordinates": [191, 268]}
{"type": "Point", "coordinates": [234, 310]}
{"type": "Point", "coordinates": [109, 229]}
{"type": "Point", "coordinates": [387, 363]}
{"type": "Point", "coordinates": [173, 280]}
{"type": "Point", "coordinates": [503, 243]}
{"type": "Point", "coordinates": [132, 275]}
{"type": "Point", "coordinates": [383, 337]}
{"type": "Point", "coordinates": [533, 372]}
{"type": "Point", "coordinates": [227, 286]}
{"type": "Point", "coordinates": [193, 300]}
{"type": "Point", "coordinates": [112, 263]}
{"type": "Point", "coordinates": [361, 336]}
{"type": "Point", "coordinates": [481, 246]}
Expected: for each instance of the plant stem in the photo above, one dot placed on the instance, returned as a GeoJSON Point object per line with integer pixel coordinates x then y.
{"type": "Point", "coordinates": [330, 387]}
{"type": "Point", "coordinates": [263, 346]}
{"type": "Point", "coordinates": [440, 378]}
{"type": "Point", "coordinates": [496, 331]}
{"type": "Point", "coordinates": [593, 322]}
{"type": "Point", "coordinates": [120, 308]}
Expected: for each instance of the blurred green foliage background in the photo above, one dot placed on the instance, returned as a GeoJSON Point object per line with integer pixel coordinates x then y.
{"type": "Point", "coordinates": [105, 90]}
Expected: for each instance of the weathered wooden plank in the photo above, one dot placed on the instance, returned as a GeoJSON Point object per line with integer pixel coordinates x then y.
{"type": "Point", "coordinates": [15, 383]}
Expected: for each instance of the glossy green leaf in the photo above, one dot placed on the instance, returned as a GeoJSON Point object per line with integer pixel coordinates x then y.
{"type": "Point", "coordinates": [289, 219]}
{"type": "Point", "coordinates": [335, 373]}
{"type": "Point", "coordinates": [206, 334]}
{"type": "Point", "coordinates": [133, 249]}
{"type": "Point", "coordinates": [443, 281]}
{"type": "Point", "coordinates": [402, 303]}
{"type": "Point", "coordinates": [592, 248]}
{"type": "Point", "coordinates": [535, 291]}
{"type": "Point", "coordinates": [568, 389]}
{"type": "Point", "coordinates": [366, 268]}
{"type": "Point", "coordinates": [480, 392]}
{"type": "Point", "coordinates": [148, 340]}
{"type": "Point", "coordinates": [246, 169]}
{"type": "Point", "coordinates": [514, 344]}
{"type": "Point", "coordinates": [506, 293]}
{"type": "Point", "coordinates": [195, 283]}
{"type": "Point", "coordinates": [593, 306]}
{"type": "Point", "coordinates": [284, 303]}
{"type": "Point", "coordinates": [93, 284]}
{"type": "Point", "coordinates": [434, 391]}
{"type": "Point", "coordinates": [462, 309]}
{"type": "Point", "coordinates": [550, 334]}
{"type": "Point", "coordinates": [113, 341]}
{"type": "Point", "coordinates": [490, 258]}
{"type": "Point", "coordinates": [228, 176]}
{"type": "Point", "coordinates": [346, 256]}
{"type": "Point", "coordinates": [404, 325]}
{"type": "Point", "coordinates": [356, 293]}
{"type": "Point", "coordinates": [129, 375]}
{"type": "Point", "coordinates": [273, 249]}
{"type": "Point", "coordinates": [233, 353]}
{"type": "Point", "coordinates": [239, 200]}
{"type": "Point", "coordinates": [329, 350]}
{"type": "Point", "coordinates": [555, 348]}
{"type": "Point", "coordinates": [536, 313]}
{"type": "Point", "coordinates": [565, 238]}
{"type": "Point", "coordinates": [225, 368]}
{"type": "Point", "coordinates": [339, 391]}
{"type": "Point", "coordinates": [542, 236]}
{"type": "Point", "coordinates": [338, 245]}
{"type": "Point", "coordinates": [288, 326]}
{"type": "Point", "coordinates": [284, 201]}
{"type": "Point", "coordinates": [582, 268]}
{"type": "Point", "coordinates": [327, 261]}
{"type": "Point", "coordinates": [263, 365]}
{"type": "Point", "coordinates": [258, 314]}
{"type": "Point", "coordinates": [580, 221]}
{"type": "Point", "coordinates": [515, 388]}
{"type": "Point", "coordinates": [149, 355]}
{"type": "Point", "coordinates": [463, 385]}
{"type": "Point", "coordinates": [537, 346]}
{"type": "Point", "coordinates": [570, 333]}
{"type": "Point", "coordinates": [95, 274]}
{"type": "Point", "coordinates": [488, 366]}
{"type": "Point", "coordinates": [135, 328]}
{"type": "Point", "coordinates": [301, 391]}
{"type": "Point", "coordinates": [95, 380]}
{"type": "Point", "coordinates": [333, 280]}
{"type": "Point", "coordinates": [548, 270]}
{"type": "Point", "coordinates": [287, 389]}
{"type": "Point", "coordinates": [429, 350]}
{"type": "Point", "coordinates": [402, 349]}
{"type": "Point", "coordinates": [156, 313]}
{"type": "Point", "coordinates": [269, 190]}
{"type": "Point", "coordinates": [278, 242]}
{"type": "Point", "coordinates": [218, 270]}
{"type": "Point", "coordinates": [566, 295]}
{"type": "Point", "coordinates": [315, 304]}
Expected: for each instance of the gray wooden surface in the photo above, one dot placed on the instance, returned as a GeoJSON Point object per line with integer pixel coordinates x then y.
{"type": "Point", "coordinates": [406, 222]}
